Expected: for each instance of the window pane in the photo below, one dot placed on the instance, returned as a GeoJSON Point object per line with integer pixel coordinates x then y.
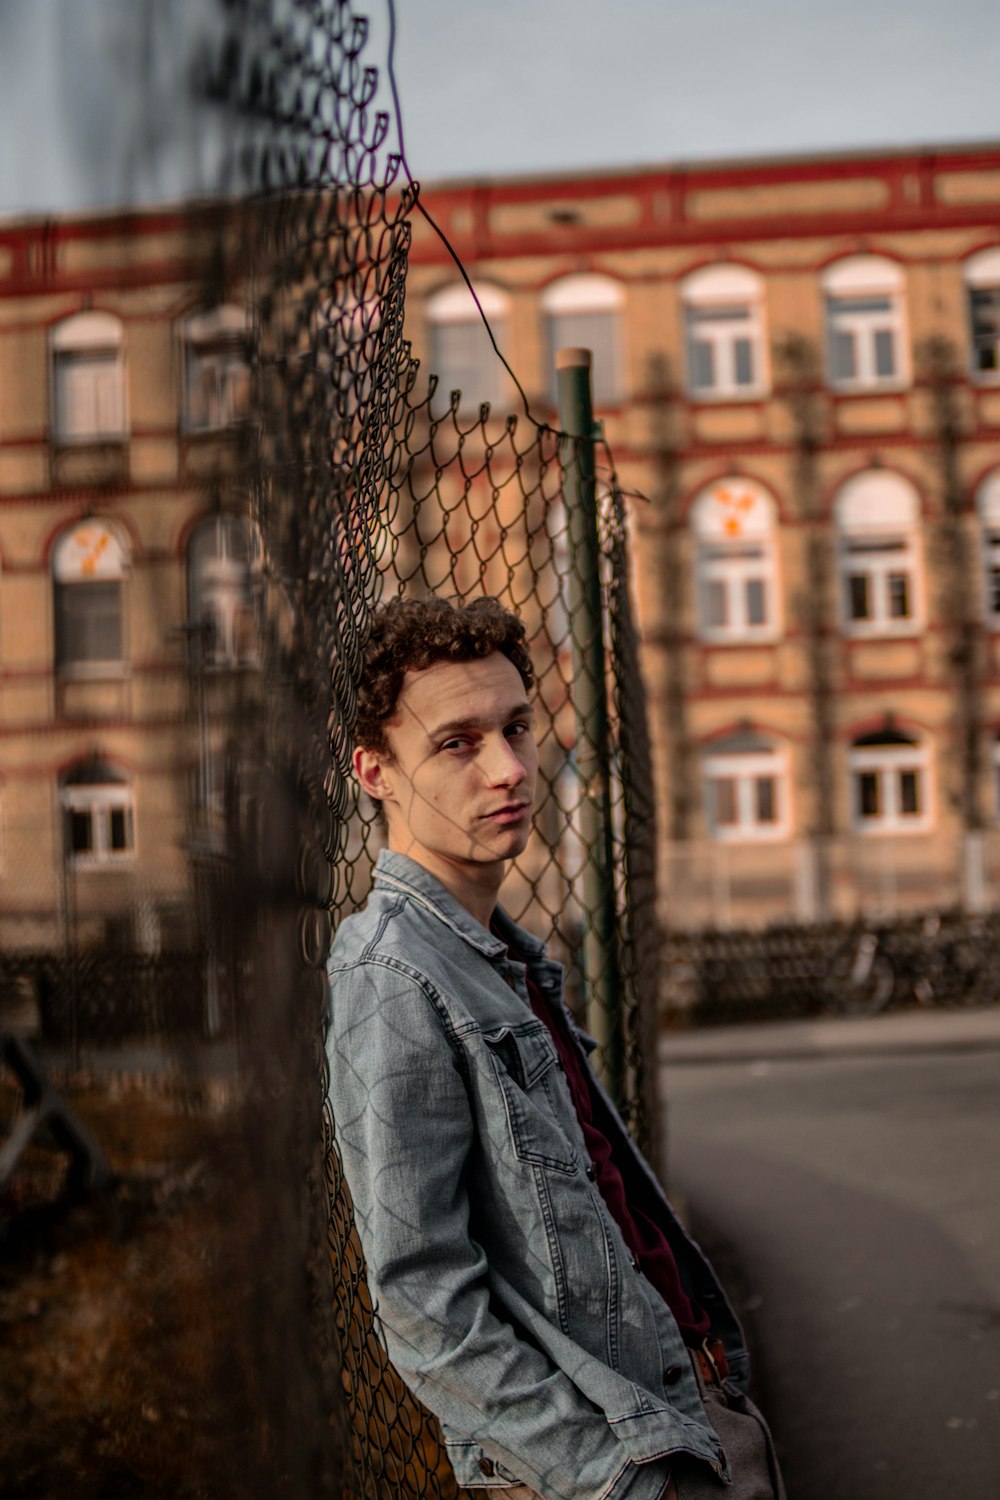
{"type": "Point", "coordinates": [885, 355]}
{"type": "Point", "coordinates": [724, 802]}
{"type": "Point", "coordinates": [985, 312]}
{"type": "Point", "coordinates": [869, 546]}
{"type": "Point", "coordinates": [736, 314]}
{"type": "Point", "coordinates": [743, 353]}
{"type": "Point", "coordinates": [716, 604]}
{"type": "Point", "coordinates": [88, 622]}
{"type": "Point", "coordinates": [853, 307]}
{"type": "Point", "coordinates": [766, 798]}
{"type": "Point", "coordinates": [119, 828]}
{"type": "Point", "coordinates": [756, 605]}
{"type": "Point", "coordinates": [859, 596]}
{"type": "Point", "coordinates": [461, 354]}
{"type": "Point", "coordinates": [993, 583]}
{"type": "Point", "coordinates": [909, 793]}
{"type": "Point", "coordinates": [218, 388]}
{"type": "Point", "coordinates": [868, 785]}
{"type": "Point", "coordinates": [842, 361]}
{"type": "Point", "coordinates": [89, 395]}
{"type": "Point", "coordinates": [81, 832]}
{"type": "Point", "coordinates": [702, 366]}
{"type": "Point", "coordinates": [597, 331]}
{"type": "Point", "coordinates": [899, 596]}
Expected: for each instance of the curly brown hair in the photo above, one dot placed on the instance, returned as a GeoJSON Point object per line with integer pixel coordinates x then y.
{"type": "Point", "coordinates": [409, 635]}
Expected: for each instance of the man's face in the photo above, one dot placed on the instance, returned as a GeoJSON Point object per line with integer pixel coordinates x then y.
{"type": "Point", "coordinates": [459, 786]}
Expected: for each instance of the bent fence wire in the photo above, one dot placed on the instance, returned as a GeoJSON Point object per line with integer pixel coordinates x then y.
{"type": "Point", "coordinates": [365, 481]}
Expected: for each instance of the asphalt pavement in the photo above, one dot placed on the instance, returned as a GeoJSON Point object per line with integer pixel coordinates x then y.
{"type": "Point", "coordinates": [843, 1174]}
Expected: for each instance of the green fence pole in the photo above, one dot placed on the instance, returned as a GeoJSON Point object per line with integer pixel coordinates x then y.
{"type": "Point", "coordinates": [593, 752]}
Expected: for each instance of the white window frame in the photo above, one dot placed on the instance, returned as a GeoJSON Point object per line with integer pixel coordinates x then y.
{"type": "Point", "coordinates": [745, 769]}
{"type": "Point", "coordinates": [988, 507]}
{"type": "Point", "coordinates": [723, 307]}
{"type": "Point", "coordinates": [733, 523]}
{"type": "Point", "coordinates": [88, 395]}
{"type": "Point", "coordinates": [89, 556]}
{"type": "Point", "coordinates": [216, 357]}
{"type": "Point", "coordinates": [475, 370]}
{"type": "Point", "coordinates": [889, 762]}
{"type": "Point", "coordinates": [878, 538]}
{"type": "Point", "coordinates": [847, 286]}
{"type": "Point", "coordinates": [982, 274]}
{"type": "Point", "coordinates": [587, 311]}
{"type": "Point", "coordinates": [99, 800]}
{"type": "Point", "coordinates": [226, 596]}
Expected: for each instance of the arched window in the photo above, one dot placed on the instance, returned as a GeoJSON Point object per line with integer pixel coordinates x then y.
{"type": "Point", "coordinates": [98, 814]}
{"type": "Point", "coordinates": [733, 523]}
{"type": "Point", "coordinates": [461, 354]}
{"type": "Point", "coordinates": [88, 570]}
{"type": "Point", "coordinates": [988, 506]}
{"type": "Point", "coordinates": [982, 281]}
{"type": "Point", "coordinates": [223, 562]}
{"type": "Point", "coordinates": [724, 321]}
{"type": "Point", "coordinates": [585, 312]}
{"type": "Point", "coordinates": [216, 369]}
{"type": "Point", "coordinates": [746, 789]}
{"type": "Point", "coordinates": [890, 778]}
{"type": "Point", "coordinates": [88, 379]}
{"type": "Point", "coordinates": [878, 516]}
{"type": "Point", "coordinates": [865, 331]}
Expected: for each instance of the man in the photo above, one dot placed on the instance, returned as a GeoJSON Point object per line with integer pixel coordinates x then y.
{"type": "Point", "coordinates": [535, 1288]}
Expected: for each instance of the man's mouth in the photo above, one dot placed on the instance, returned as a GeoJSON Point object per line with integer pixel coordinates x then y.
{"type": "Point", "coordinates": [511, 812]}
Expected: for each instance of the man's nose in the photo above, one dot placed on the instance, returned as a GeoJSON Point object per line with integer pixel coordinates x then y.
{"type": "Point", "coordinates": [503, 767]}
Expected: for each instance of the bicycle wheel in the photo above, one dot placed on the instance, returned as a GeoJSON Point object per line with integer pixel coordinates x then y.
{"type": "Point", "coordinates": [860, 979]}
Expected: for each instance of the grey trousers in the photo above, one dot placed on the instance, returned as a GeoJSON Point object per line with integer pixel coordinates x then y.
{"type": "Point", "coordinates": [748, 1446]}
{"type": "Point", "coordinates": [745, 1438]}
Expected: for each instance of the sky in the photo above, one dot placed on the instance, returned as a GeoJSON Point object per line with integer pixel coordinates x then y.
{"type": "Point", "coordinates": [91, 90]}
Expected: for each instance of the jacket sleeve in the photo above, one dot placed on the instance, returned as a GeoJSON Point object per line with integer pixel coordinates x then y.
{"type": "Point", "coordinates": [405, 1131]}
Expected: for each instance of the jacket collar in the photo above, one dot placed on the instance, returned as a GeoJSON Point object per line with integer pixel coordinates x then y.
{"type": "Point", "coordinates": [400, 873]}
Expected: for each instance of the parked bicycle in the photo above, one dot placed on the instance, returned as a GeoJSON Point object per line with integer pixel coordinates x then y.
{"type": "Point", "coordinates": [930, 964]}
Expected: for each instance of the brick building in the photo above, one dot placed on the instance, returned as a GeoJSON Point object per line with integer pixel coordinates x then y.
{"type": "Point", "coordinates": [127, 569]}
{"type": "Point", "coordinates": [797, 366]}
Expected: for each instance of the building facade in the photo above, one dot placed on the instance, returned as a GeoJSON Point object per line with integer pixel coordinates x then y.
{"type": "Point", "coordinates": [797, 368]}
{"type": "Point", "coordinates": [127, 570]}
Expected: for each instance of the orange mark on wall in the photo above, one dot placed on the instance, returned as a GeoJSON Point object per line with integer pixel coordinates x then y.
{"type": "Point", "coordinates": [94, 546]}
{"type": "Point", "coordinates": [735, 503]}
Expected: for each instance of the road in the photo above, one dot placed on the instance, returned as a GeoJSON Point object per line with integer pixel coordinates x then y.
{"type": "Point", "coordinates": [846, 1176]}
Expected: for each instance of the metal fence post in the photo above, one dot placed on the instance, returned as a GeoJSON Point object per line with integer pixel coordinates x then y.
{"type": "Point", "coordinates": [593, 752]}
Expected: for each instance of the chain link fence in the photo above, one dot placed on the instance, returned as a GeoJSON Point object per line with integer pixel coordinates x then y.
{"type": "Point", "coordinates": [237, 1351]}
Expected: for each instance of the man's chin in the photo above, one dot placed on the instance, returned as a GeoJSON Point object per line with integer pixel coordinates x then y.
{"type": "Point", "coordinates": [504, 843]}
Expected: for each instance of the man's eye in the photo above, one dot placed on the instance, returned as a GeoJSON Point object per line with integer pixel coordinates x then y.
{"type": "Point", "coordinates": [521, 727]}
{"type": "Point", "coordinates": [457, 744]}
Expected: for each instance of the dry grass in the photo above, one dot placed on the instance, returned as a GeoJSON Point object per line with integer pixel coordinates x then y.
{"type": "Point", "coordinates": [137, 1353]}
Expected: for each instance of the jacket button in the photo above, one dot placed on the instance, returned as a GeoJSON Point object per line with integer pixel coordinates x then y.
{"type": "Point", "coordinates": [672, 1375]}
{"type": "Point", "coordinates": [486, 1467]}
{"type": "Point", "coordinates": [591, 1171]}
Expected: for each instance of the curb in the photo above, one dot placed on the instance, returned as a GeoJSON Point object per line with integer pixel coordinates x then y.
{"type": "Point", "coordinates": [894, 1035]}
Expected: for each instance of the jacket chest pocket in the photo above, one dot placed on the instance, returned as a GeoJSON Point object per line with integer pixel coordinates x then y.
{"type": "Point", "coordinates": [525, 1064]}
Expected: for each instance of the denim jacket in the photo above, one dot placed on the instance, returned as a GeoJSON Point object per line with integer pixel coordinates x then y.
{"type": "Point", "coordinates": [510, 1302]}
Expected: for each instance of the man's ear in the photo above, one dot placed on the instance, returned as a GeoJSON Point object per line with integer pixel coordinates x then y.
{"type": "Point", "coordinates": [369, 769]}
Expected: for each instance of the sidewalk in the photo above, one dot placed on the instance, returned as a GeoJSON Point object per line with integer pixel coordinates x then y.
{"type": "Point", "coordinates": [836, 1036]}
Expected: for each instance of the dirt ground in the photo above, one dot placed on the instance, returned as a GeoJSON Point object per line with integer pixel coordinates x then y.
{"type": "Point", "coordinates": [136, 1352]}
